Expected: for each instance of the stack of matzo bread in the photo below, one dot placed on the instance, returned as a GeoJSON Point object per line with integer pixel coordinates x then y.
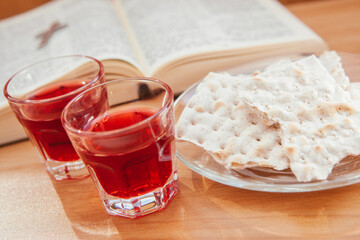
{"type": "Point", "coordinates": [303, 115]}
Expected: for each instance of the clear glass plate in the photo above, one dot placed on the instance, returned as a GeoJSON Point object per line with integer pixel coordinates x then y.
{"type": "Point", "coordinates": [265, 179]}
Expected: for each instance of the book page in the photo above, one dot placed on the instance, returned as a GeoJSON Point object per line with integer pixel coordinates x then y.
{"type": "Point", "coordinates": [169, 29]}
{"type": "Point", "coordinates": [92, 28]}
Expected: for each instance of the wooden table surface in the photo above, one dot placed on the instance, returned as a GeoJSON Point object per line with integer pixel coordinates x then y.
{"type": "Point", "coordinates": [35, 207]}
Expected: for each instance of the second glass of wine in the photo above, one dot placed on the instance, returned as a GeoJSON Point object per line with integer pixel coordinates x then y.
{"type": "Point", "coordinates": [123, 130]}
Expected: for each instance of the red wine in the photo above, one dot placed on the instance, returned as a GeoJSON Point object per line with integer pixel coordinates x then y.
{"type": "Point", "coordinates": [43, 124]}
{"type": "Point", "coordinates": [134, 170]}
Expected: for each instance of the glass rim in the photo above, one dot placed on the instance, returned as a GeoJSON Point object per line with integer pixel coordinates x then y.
{"type": "Point", "coordinates": [125, 130]}
{"type": "Point", "coordinates": [97, 76]}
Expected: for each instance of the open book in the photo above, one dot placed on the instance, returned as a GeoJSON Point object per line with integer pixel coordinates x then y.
{"type": "Point", "coordinates": [178, 42]}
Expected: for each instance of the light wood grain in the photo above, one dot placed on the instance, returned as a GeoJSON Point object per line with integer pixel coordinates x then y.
{"type": "Point", "coordinates": [337, 22]}
{"type": "Point", "coordinates": [35, 207]}
{"type": "Point", "coordinates": [10, 8]}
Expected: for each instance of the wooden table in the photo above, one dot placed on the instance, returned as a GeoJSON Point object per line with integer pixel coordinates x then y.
{"type": "Point", "coordinates": [35, 207]}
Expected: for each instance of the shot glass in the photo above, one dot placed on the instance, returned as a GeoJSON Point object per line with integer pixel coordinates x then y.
{"type": "Point", "coordinates": [123, 130]}
{"type": "Point", "coordinates": [37, 95]}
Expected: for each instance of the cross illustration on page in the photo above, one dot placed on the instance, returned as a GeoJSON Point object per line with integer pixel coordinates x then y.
{"type": "Point", "coordinates": [46, 35]}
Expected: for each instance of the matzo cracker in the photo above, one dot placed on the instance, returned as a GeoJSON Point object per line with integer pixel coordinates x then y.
{"type": "Point", "coordinates": [218, 121]}
{"type": "Point", "coordinates": [332, 62]}
{"type": "Point", "coordinates": [317, 117]}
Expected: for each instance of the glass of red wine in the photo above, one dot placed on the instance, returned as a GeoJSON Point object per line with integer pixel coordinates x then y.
{"type": "Point", "coordinates": [37, 95]}
{"type": "Point", "coordinates": [123, 130]}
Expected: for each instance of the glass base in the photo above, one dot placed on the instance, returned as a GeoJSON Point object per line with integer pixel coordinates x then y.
{"type": "Point", "coordinates": [67, 170]}
{"type": "Point", "coordinates": [141, 205]}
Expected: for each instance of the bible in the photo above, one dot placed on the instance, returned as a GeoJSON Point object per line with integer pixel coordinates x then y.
{"type": "Point", "coordinates": [178, 42]}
